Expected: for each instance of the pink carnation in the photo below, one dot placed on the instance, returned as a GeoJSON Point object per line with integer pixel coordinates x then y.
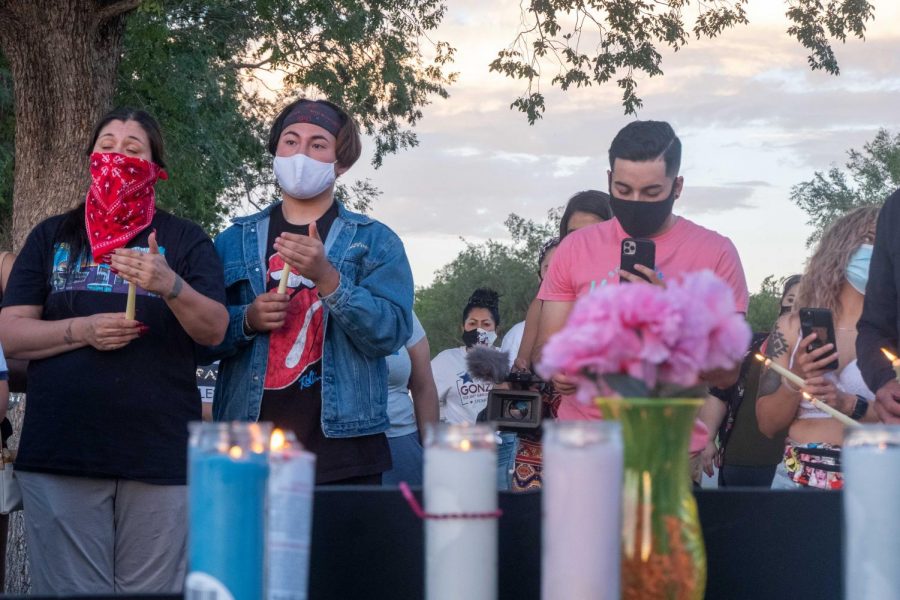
{"type": "Point", "coordinates": [659, 336]}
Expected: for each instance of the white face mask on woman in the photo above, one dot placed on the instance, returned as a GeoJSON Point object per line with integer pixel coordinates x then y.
{"type": "Point", "coordinates": [303, 177]}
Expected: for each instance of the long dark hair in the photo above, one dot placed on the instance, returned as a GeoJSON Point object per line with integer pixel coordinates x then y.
{"type": "Point", "coordinates": [72, 230]}
{"type": "Point", "coordinates": [594, 202]}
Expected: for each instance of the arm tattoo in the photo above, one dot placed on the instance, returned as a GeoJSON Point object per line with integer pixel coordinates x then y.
{"type": "Point", "coordinates": [777, 345]}
{"type": "Point", "coordinates": [176, 288]}
{"type": "Point", "coordinates": [68, 338]}
{"type": "Point", "coordinates": [770, 383]}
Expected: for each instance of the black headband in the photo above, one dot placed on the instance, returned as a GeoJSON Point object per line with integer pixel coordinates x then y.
{"type": "Point", "coordinates": [316, 113]}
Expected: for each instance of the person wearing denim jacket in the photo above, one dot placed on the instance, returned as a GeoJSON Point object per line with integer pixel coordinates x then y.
{"type": "Point", "coordinates": [365, 291]}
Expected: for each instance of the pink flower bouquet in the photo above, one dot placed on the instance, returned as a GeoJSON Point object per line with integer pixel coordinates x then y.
{"type": "Point", "coordinates": [644, 341]}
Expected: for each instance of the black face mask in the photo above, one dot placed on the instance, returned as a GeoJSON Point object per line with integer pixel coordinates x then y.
{"type": "Point", "coordinates": [641, 219]}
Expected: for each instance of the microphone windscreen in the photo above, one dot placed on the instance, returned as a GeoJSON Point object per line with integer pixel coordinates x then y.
{"type": "Point", "coordinates": [488, 364]}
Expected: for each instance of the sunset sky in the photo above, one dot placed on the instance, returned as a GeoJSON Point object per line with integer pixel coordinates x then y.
{"type": "Point", "coordinates": [752, 117]}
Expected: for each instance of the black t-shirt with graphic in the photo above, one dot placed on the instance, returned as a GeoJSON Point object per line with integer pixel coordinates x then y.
{"type": "Point", "coordinates": [292, 398]}
{"type": "Point", "coordinates": [120, 413]}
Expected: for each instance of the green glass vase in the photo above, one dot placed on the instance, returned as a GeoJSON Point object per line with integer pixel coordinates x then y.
{"type": "Point", "coordinates": [663, 557]}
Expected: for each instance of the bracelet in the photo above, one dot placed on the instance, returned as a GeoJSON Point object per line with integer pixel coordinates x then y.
{"type": "Point", "coordinates": [176, 288]}
{"type": "Point", "coordinates": [245, 325]}
{"type": "Point", "coordinates": [860, 408]}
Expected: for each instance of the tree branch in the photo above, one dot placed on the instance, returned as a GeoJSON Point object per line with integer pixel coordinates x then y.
{"type": "Point", "coordinates": [115, 9]}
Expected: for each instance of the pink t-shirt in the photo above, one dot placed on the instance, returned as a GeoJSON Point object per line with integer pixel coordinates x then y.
{"type": "Point", "coordinates": [591, 256]}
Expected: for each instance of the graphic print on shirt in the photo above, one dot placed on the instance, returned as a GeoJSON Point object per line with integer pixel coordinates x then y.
{"type": "Point", "coordinates": [90, 276]}
{"type": "Point", "coordinates": [295, 350]}
{"type": "Point", "coordinates": [471, 391]}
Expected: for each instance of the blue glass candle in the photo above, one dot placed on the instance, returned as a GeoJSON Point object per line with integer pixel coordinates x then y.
{"type": "Point", "coordinates": [227, 478]}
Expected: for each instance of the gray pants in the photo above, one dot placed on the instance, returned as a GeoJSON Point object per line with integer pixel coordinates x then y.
{"type": "Point", "coordinates": [103, 536]}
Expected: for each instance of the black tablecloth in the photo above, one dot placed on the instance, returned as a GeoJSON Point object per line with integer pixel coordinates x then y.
{"type": "Point", "coordinates": [761, 544]}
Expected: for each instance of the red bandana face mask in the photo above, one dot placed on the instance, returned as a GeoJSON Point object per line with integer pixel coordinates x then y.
{"type": "Point", "coordinates": [121, 201]}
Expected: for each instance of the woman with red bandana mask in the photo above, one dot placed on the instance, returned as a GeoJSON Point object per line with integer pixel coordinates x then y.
{"type": "Point", "coordinates": [101, 460]}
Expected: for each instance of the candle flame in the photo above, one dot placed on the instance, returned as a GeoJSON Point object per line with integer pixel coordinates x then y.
{"type": "Point", "coordinates": [278, 440]}
{"type": "Point", "coordinates": [889, 356]}
{"type": "Point", "coordinates": [465, 445]}
{"type": "Point", "coordinates": [760, 357]}
{"type": "Point", "coordinates": [235, 452]}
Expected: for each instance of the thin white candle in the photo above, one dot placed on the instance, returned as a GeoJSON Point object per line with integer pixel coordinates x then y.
{"type": "Point", "coordinates": [131, 301]}
{"type": "Point", "coordinates": [460, 476]}
{"type": "Point", "coordinates": [784, 372]}
{"type": "Point", "coordinates": [830, 410]}
{"type": "Point", "coordinates": [282, 283]}
{"type": "Point", "coordinates": [582, 510]}
{"type": "Point", "coordinates": [798, 381]}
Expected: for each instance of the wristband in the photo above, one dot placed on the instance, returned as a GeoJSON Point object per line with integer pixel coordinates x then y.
{"type": "Point", "coordinates": [176, 288]}
{"type": "Point", "coordinates": [860, 408]}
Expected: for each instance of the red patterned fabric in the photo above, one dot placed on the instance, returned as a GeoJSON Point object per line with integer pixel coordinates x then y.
{"type": "Point", "coordinates": [121, 201]}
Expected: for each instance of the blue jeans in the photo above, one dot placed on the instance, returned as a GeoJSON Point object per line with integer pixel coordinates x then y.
{"type": "Point", "coordinates": [783, 481]}
{"type": "Point", "coordinates": [506, 458]}
{"type": "Point", "coordinates": [406, 454]}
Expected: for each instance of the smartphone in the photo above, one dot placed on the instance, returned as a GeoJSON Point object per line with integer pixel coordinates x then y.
{"type": "Point", "coordinates": [820, 322]}
{"type": "Point", "coordinates": [636, 251]}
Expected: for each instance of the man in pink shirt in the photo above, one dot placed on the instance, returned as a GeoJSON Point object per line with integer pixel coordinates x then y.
{"type": "Point", "coordinates": [644, 183]}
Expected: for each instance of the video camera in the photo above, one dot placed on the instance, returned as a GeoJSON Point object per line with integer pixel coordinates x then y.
{"type": "Point", "coordinates": [516, 409]}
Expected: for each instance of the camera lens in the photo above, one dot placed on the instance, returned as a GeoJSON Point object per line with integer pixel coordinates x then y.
{"type": "Point", "coordinates": [518, 410]}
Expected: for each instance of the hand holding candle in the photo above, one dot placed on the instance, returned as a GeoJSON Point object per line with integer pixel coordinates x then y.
{"type": "Point", "coordinates": [798, 381]}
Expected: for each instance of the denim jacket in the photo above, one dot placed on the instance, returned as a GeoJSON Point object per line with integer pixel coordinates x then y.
{"type": "Point", "coordinates": [368, 317]}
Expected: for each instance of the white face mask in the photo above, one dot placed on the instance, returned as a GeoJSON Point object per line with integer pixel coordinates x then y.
{"type": "Point", "coordinates": [302, 177]}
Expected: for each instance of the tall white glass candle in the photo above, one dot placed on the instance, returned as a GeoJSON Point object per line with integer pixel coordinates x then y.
{"type": "Point", "coordinates": [582, 510]}
{"type": "Point", "coordinates": [460, 479]}
{"type": "Point", "coordinates": [292, 478]}
{"type": "Point", "coordinates": [871, 464]}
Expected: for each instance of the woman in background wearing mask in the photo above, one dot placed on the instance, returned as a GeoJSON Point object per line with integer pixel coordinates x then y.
{"type": "Point", "coordinates": [318, 296]}
{"type": "Point", "coordinates": [462, 396]}
{"type": "Point", "coordinates": [101, 460]}
{"type": "Point", "coordinates": [835, 278]}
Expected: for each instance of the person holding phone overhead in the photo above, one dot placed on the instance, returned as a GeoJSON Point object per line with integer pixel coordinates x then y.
{"type": "Point", "coordinates": [834, 286]}
{"type": "Point", "coordinates": [644, 183]}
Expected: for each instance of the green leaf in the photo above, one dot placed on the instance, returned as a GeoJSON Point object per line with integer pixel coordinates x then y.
{"type": "Point", "coordinates": [627, 386]}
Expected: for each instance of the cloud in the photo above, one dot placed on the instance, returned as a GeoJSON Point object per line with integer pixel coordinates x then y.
{"type": "Point", "coordinates": [753, 119]}
{"type": "Point", "coordinates": [708, 199]}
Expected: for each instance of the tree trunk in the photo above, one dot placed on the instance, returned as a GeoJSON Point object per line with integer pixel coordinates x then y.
{"type": "Point", "coordinates": [18, 580]}
{"type": "Point", "coordinates": [63, 56]}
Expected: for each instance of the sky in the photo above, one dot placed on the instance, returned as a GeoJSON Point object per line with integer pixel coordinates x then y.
{"type": "Point", "coordinates": [753, 120]}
